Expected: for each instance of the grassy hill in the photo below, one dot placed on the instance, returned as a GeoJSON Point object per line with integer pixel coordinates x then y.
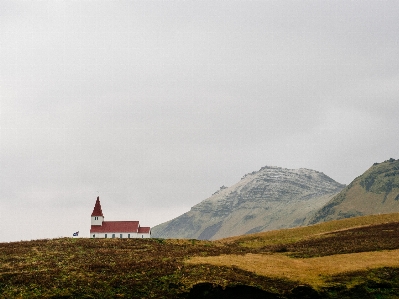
{"type": "Point", "coordinates": [339, 259]}
{"type": "Point", "coordinates": [375, 191]}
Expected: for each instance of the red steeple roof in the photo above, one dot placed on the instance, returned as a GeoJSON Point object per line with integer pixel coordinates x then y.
{"type": "Point", "coordinates": [97, 208]}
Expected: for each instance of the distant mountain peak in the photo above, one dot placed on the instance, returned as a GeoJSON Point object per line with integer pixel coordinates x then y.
{"type": "Point", "coordinates": [270, 198]}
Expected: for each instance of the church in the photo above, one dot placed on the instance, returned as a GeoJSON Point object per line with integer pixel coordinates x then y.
{"type": "Point", "coordinates": [115, 229]}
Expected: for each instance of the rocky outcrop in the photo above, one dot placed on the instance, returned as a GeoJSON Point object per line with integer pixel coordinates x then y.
{"type": "Point", "coordinates": [271, 198]}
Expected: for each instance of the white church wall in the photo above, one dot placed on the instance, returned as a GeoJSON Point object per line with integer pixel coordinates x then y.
{"type": "Point", "coordinates": [116, 235]}
{"type": "Point", "coordinates": [97, 220]}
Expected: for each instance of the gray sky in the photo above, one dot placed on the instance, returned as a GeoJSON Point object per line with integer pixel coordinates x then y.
{"type": "Point", "coordinates": [153, 105]}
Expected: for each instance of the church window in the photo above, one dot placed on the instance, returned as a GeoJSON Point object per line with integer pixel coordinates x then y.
{"type": "Point", "coordinates": [128, 235]}
{"type": "Point", "coordinates": [113, 235]}
{"type": "Point", "coordinates": [105, 235]}
{"type": "Point", "coordinates": [94, 236]}
{"type": "Point", "coordinates": [121, 236]}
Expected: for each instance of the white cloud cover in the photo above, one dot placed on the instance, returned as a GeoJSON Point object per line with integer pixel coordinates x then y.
{"type": "Point", "coordinates": [155, 104]}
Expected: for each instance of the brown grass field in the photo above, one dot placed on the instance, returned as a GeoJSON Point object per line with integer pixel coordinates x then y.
{"type": "Point", "coordinates": [351, 258]}
{"type": "Point", "coordinates": [292, 235]}
{"type": "Point", "coordinates": [313, 271]}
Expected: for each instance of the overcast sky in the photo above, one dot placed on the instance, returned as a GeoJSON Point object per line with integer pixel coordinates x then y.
{"type": "Point", "coordinates": [153, 105]}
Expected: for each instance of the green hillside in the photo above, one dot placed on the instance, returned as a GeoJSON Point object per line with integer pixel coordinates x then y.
{"type": "Point", "coordinates": [339, 259]}
{"type": "Point", "coordinates": [376, 191]}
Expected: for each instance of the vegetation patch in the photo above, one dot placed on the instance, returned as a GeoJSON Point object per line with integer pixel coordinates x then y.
{"type": "Point", "coordinates": [382, 178]}
{"type": "Point", "coordinates": [305, 262]}
{"type": "Point", "coordinates": [361, 239]}
{"type": "Point", "coordinates": [293, 235]}
{"type": "Point", "coordinates": [312, 271]}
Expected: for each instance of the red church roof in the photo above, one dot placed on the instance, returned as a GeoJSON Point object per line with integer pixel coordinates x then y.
{"type": "Point", "coordinates": [97, 208]}
{"type": "Point", "coordinates": [116, 227]}
{"type": "Point", "coordinates": [144, 230]}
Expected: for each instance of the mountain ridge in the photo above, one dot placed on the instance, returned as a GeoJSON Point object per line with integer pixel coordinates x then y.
{"type": "Point", "coordinates": [271, 198]}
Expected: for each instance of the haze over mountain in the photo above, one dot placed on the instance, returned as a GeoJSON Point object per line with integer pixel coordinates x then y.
{"type": "Point", "coordinates": [271, 198]}
{"type": "Point", "coordinates": [375, 191]}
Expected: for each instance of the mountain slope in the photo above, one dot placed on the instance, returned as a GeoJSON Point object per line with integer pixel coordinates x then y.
{"type": "Point", "coordinates": [270, 198]}
{"type": "Point", "coordinates": [376, 191]}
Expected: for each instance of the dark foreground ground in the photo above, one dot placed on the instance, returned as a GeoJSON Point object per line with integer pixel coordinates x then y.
{"type": "Point", "coordinates": [155, 268]}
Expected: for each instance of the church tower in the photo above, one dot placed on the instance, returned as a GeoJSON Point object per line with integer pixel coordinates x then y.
{"type": "Point", "coordinates": [97, 216]}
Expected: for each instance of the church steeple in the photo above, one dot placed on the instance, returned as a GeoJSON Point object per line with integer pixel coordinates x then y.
{"type": "Point", "coordinates": [97, 216]}
{"type": "Point", "coordinates": [97, 208]}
